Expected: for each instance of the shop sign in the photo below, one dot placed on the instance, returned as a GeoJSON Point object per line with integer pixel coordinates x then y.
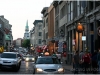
{"type": "Point", "coordinates": [98, 30]}
{"type": "Point", "coordinates": [73, 42]}
{"type": "Point", "coordinates": [83, 38]}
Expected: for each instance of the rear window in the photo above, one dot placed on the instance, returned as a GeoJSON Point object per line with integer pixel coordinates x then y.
{"type": "Point", "coordinates": [8, 55]}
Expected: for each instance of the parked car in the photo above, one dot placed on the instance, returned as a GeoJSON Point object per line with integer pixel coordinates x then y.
{"type": "Point", "coordinates": [10, 60]}
{"type": "Point", "coordinates": [47, 65]}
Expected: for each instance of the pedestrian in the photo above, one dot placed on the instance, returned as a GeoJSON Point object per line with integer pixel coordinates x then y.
{"type": "Point", "coordinates": [94, 62]}
{"type": "Point", "coordinates": [65, 57]}
{"type": "Point", "coordinates": [80, 61]}
{"type": "Point", "coordinates": [59, 56]}
{"type": "Point", "coordinates": [76, 62]}
{"type": "Point", "coordinates": [98, 59]}
{"type": "Point", "coordinates": [90, 62]}
{"type": "Point", "coordinates": [86, 61]}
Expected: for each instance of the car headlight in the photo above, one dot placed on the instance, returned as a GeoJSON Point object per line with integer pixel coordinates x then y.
{"type": "Point", "coordinates": [60, 70]}
{"type": "Point", "coordinates": [32, 58]}
{"type": "Point", "coordinates": [39, 70]}
{"type": "Point", "coordinates": [27, 59]}
{"type": "Point", "coordinates": [15, 61]}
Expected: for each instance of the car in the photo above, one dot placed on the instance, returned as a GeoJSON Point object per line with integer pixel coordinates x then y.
{"type": "Point", "coordinates": [47, 65]}
{"type": "Point", "coordinates": [29, 58]}
{"type": "Point", "coordinates": [10, 60]}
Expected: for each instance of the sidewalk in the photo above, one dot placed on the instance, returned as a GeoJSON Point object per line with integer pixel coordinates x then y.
{"type": "Point", "coordinates": [70, 68]}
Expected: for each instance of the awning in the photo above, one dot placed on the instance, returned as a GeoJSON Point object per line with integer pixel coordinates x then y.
{"type": "Point", "coordinates": [44, 47]}
{"type": "Point", "coordinates": [7, 37]}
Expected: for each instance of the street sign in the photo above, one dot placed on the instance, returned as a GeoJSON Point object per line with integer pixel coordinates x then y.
{"type": "Point", "coordinates": [83, 38]}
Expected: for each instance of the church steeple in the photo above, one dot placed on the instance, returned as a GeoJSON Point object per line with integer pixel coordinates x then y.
{"type": "Point", "coordinates": [27, 27]}
{"type": "Point", "coordinates": [26, 34]}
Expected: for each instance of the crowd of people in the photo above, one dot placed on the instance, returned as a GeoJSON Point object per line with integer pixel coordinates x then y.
{"type": "Point", "coordinates": [86, 62]}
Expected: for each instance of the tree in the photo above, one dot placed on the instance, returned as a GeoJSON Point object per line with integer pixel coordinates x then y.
{"type": "Point", "coordinates": [26, 43]}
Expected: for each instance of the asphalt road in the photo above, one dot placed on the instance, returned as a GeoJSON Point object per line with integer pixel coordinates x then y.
{"type": "Point", "coordinates": [26, 68]}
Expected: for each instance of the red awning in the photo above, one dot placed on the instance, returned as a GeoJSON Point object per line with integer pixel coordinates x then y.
{"type": "Point", "coordinates": [44, 47]}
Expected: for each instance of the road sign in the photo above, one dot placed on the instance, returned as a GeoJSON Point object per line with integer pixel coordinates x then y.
{"type": "Point", "coordinates": [98, 30]}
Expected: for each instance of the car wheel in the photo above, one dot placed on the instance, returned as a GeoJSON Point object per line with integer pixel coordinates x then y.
{"type": "Point", "coordinates": [16, 68]}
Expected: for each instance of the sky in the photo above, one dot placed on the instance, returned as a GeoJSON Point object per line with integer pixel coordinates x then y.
{"type": "Point", "coordinates": [19, 11]}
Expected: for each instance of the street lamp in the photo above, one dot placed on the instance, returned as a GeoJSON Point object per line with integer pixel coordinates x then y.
{"type": "Point", "coordinates": [80, 29]}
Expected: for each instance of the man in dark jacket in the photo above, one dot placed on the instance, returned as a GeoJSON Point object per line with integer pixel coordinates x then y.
{"type": "Point", "coordinates": [94, 62]}
{"type": "Point", "coordinates": [76, 62]}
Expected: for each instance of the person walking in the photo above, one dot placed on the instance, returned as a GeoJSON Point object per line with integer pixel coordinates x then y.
{"type": "Point", "coordinates": [80, 61]}
{"type": "Point", "coordinates": [94, 62]}
{"type": "Point", "coordinates": [65, 57]}
{"type": "Point", "coordinates": [59, 56]}
{"type": "Point", "coordinates": [76, 62]}
{"type": "Point", "coordinates": [98, 59]}
{"type": "Point", "coordinates": [86, 61]}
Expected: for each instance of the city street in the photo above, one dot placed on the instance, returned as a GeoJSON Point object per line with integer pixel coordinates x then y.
{"type": "Point", "coordinates": [26, 68]}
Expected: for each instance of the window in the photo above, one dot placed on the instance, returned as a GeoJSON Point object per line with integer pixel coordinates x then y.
{"type": "Point", "coordinates": [97, 3]}
{"type": "Point", "coordinates": [91, 5]}
{"type": "Point", "coordinates": [8, 55]}
{"type": "Point", "coordinates": [40, 33]}
{"type": "Point", "coordinates": [46, 35]}
{"type": "Point", "coordinates": [78, 8]}
{"type": "Point", "coordinates": [39, 41]}
{"type": "Point", "coordinates": [69, 11]}
{"type": "Point", "coordinates": [47, 61]}
{"type": "Point", "coordinates": [40, 27]}
{"type": "Point", "coordinates": [62, 12]}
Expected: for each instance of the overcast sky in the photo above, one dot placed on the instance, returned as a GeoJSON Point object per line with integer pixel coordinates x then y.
{"type": "Point", "coordinates": [19, 11]}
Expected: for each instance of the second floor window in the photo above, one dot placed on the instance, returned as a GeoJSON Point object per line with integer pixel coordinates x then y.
{"type": "Point", "coordinates": [40, 27]}
{"type": "Point", "coordinates": [39, 41]}
{"type": "Point", "coordinates": [40, 33]}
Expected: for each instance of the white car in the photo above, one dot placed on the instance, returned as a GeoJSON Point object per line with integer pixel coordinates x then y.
{"type": "Point", "coordinates": [47, 65]}
{"type": "Point", "coordinates": [10, 60]}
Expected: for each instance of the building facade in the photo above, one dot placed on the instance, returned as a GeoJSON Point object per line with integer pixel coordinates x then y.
{"type": "Point", "coordinates": [38, 35]}
{"type": "Point", "coordinates": [51, 16]}
{"type": "Point", "coordinates": [19, 42]}
{"type": "Point", "coordinates": [65, 16]}
{"type": "Point", "coordinates": [7, 38]}
{"type": "Point", "coordinates": [45, 25]}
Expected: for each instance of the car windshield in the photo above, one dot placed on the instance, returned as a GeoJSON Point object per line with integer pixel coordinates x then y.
{"type": "Point", "coordinates": [47, 61]}
{"type": "Point", "coordinates": [8, 55]}
{"type": "Point", "coordinates": [29, 56]}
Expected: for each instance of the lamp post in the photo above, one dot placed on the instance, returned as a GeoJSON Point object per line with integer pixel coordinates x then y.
{"type": "Point", "coordinates": [79, 29]}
